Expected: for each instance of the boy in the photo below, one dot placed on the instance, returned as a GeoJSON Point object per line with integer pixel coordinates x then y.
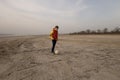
{"type": "Point", "coordinates": [54, 38]}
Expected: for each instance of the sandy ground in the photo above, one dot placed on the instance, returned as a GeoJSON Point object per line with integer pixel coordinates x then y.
{"type": "Point", "coordinates": [83, 57]}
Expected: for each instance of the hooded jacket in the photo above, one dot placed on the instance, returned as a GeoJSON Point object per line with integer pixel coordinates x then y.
{"type": "Point", "coordinates": [54, 34]}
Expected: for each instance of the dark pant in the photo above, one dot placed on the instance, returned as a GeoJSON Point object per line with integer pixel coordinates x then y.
{"type": "Point", "coordinates": [53, 45]}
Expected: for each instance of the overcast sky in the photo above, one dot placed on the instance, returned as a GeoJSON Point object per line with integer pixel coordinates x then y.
{"type": "Point", "coordinates": [39, 16]}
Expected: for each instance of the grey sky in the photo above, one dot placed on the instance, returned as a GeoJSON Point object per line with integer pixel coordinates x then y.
{"type": "Point", "coordinates": [39, 16]}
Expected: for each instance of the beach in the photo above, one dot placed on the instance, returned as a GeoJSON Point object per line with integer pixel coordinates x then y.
{"type": "Point", "coordinates": [81, 57]}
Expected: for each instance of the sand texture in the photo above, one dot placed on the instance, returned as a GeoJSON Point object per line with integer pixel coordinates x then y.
{"type": "Point", "coordinates": [81, 57]}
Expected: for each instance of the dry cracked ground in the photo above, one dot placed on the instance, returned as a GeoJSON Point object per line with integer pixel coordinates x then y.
{"type": "Point", "coordinates": [81, 57]}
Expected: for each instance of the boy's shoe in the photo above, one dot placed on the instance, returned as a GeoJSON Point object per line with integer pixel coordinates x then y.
{"type": "Point", "coordinates": [53, 52]}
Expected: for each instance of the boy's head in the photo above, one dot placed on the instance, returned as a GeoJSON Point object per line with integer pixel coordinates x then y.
{"type": "Point", "coordinates": [57, 27]}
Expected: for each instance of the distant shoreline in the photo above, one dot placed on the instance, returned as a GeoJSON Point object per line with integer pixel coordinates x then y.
{"type": "Point", "coordinates": [6, 35]}
{"type": "Point", "coordinates": [12, 36]}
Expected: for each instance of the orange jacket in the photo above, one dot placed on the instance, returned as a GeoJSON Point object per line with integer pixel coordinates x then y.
{"type": "Point", "coordinates": [54, 34]}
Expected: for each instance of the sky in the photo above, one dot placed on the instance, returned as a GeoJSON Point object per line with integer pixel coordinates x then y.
{"type": "Point", "coordinates": [34, 17]}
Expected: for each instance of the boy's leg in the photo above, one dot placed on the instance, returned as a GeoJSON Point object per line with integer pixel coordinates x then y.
{"type": "Point", "coordinates": [53, 45]}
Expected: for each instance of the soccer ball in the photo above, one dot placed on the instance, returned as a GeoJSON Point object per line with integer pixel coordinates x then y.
{"type": "Point", "coordinates": [56, 52]}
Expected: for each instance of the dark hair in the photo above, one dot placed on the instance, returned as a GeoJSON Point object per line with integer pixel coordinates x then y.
{"type": "Point", "coordinates": [57, 27]}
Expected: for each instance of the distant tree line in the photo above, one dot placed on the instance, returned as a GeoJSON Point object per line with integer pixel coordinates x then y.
{"type": "Point", "coordinates": [99, 31]}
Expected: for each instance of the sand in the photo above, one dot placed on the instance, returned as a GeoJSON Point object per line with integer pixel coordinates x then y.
{"type": "Point", "coordinates": [81, 57]}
